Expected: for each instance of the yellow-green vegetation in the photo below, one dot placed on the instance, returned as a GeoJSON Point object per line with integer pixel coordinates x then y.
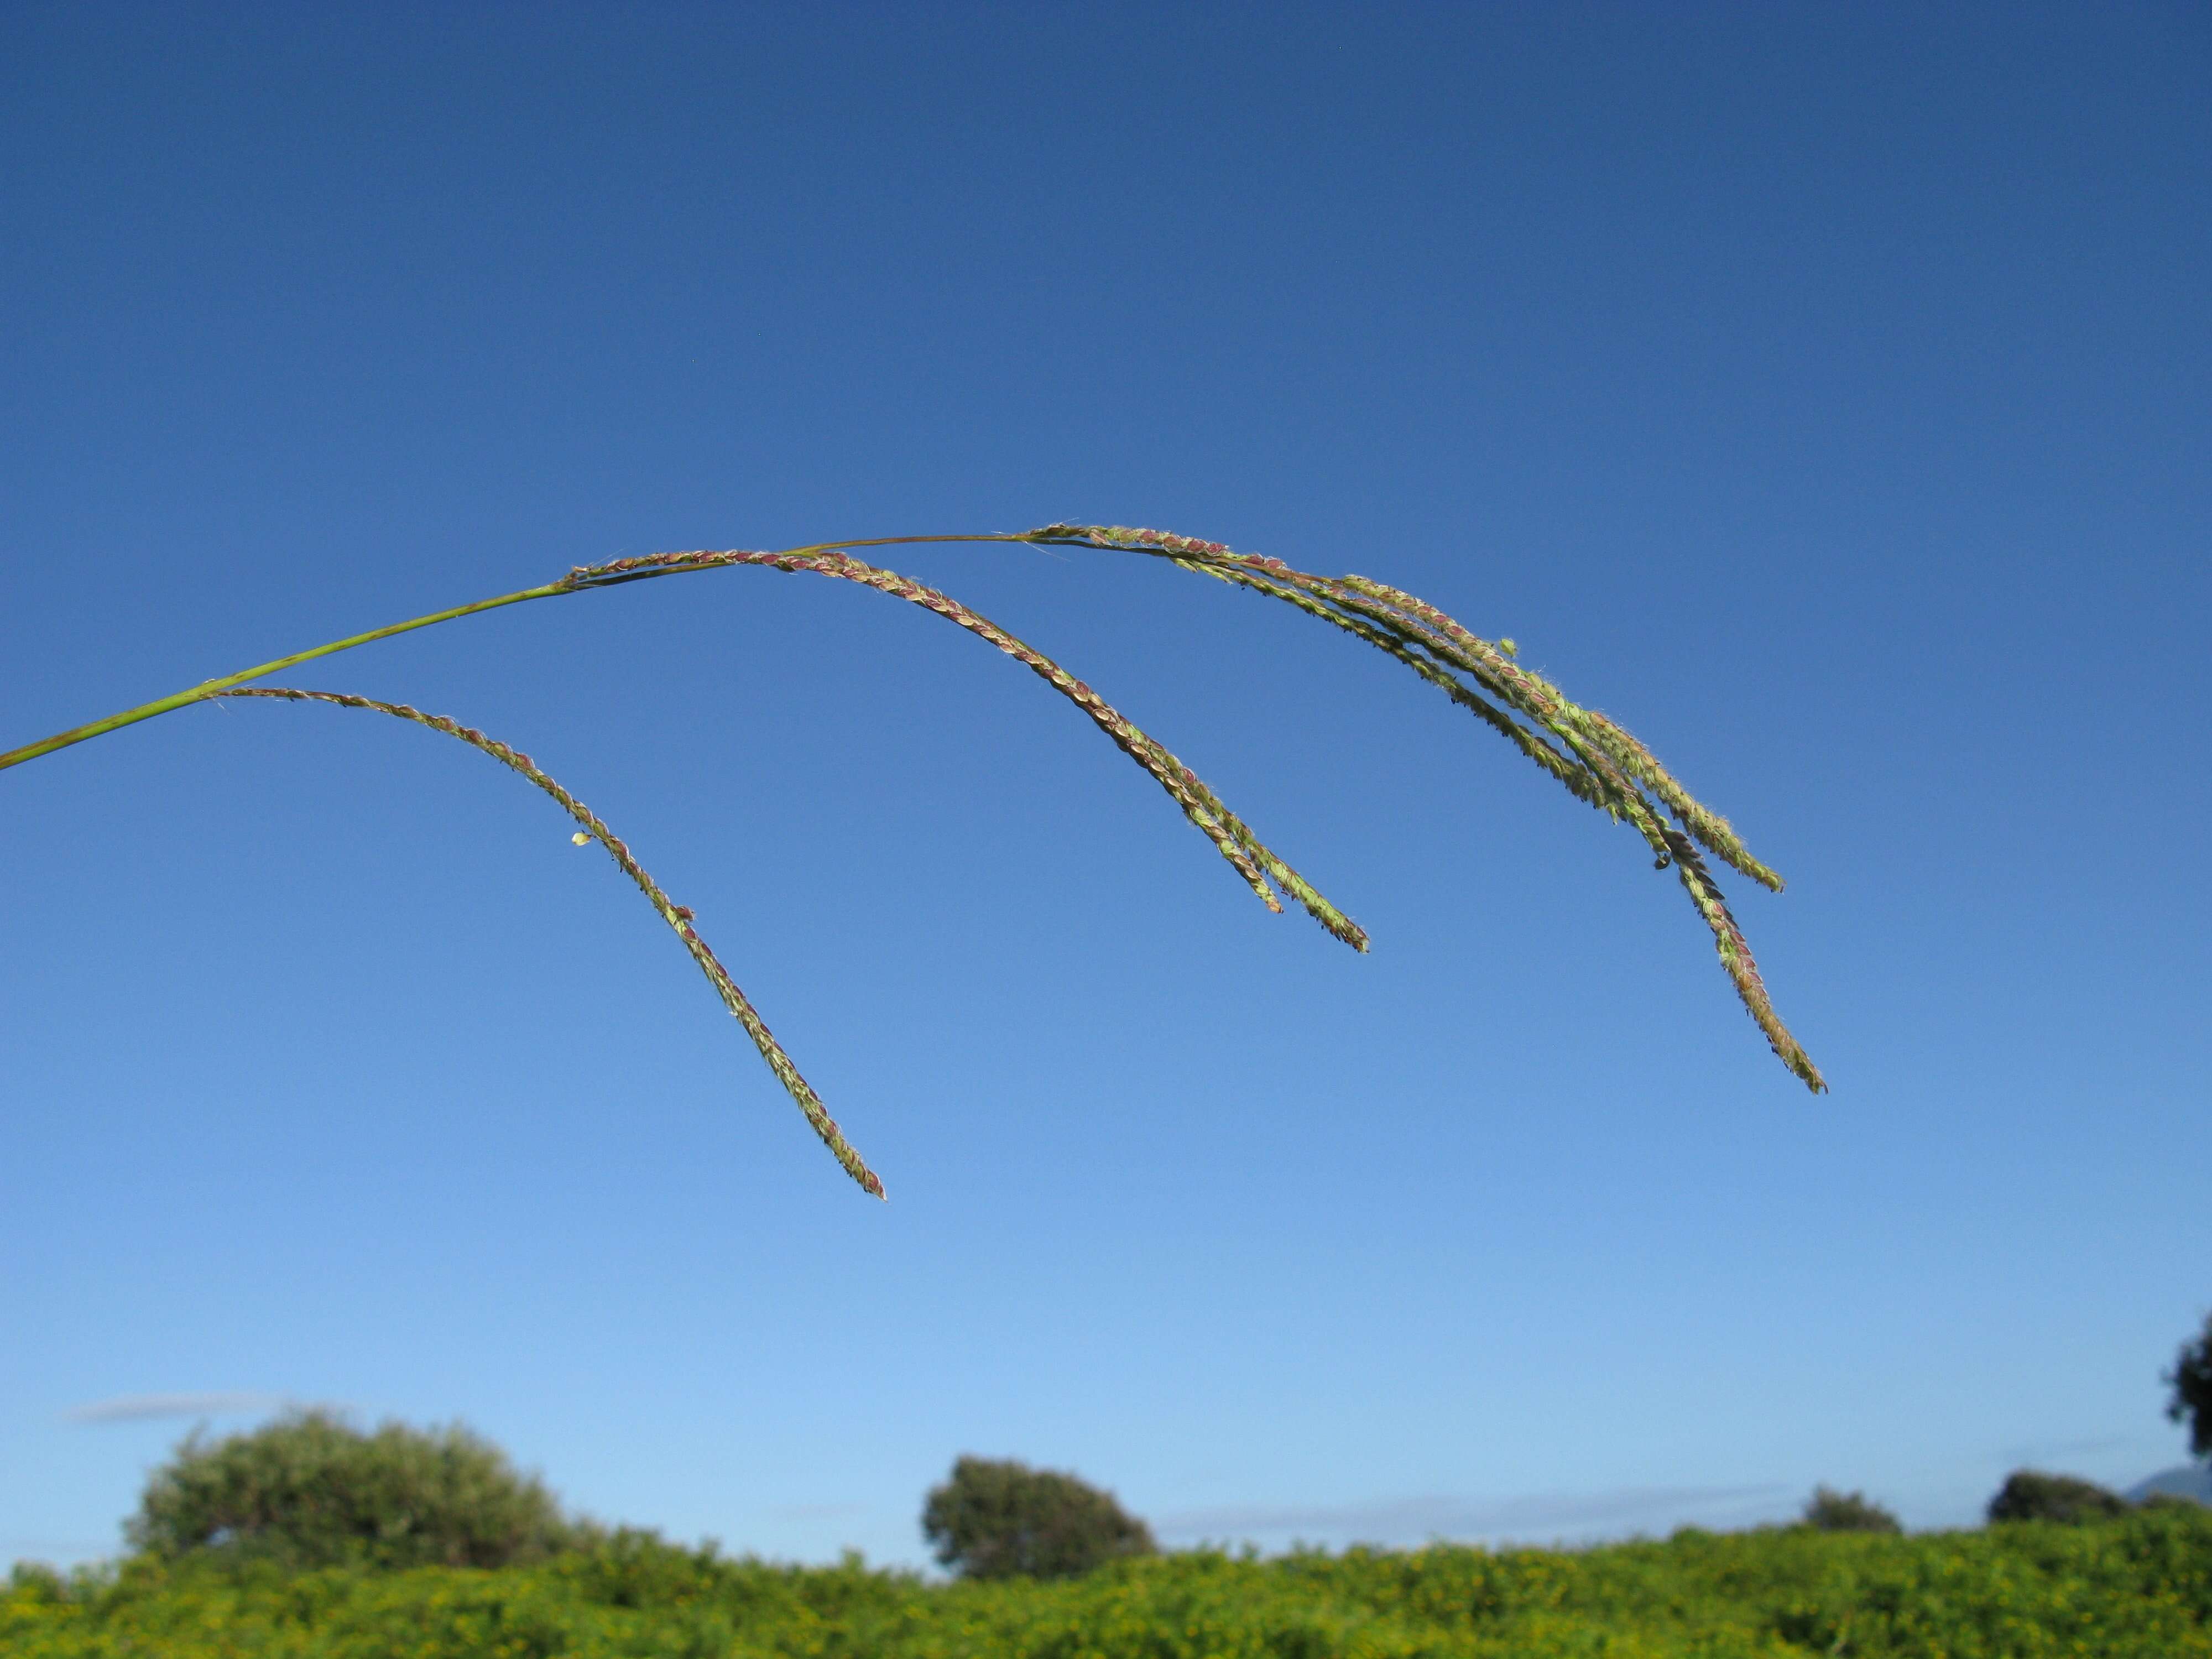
{"type": "Point", "coordinates": [310, 1490]}
{"type": "Point", "coordinates": [2138, 1587]}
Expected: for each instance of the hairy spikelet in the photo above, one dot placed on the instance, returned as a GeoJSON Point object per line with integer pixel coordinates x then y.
{"type": "Point", "coordinates": [676, 915]}
{"type": "Point", "coordinates": [1735, 957]}
{"type": "Point", "coordinates": [1576, 778]}
{"type": "Point", "coordinates": [1601, 763]}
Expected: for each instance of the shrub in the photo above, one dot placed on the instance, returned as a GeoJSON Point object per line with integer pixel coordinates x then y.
{"type": "Point", "coordinates": [1829, 1510]}
{"type": "Point", "coordinates": [2168, 1500]}
{"type": "Point", "coordinates": [35, 1584]}
{"type": "Point", "coordinates": [2030, 1495]}
{"type": "Point", "coordinates": [309, 1489]}
{"type": "Point", "coordinates": [997, 1519]}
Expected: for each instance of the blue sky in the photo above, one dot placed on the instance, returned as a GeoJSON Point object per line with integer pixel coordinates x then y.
{"type": "Point", "coordinates": [1821, 392]}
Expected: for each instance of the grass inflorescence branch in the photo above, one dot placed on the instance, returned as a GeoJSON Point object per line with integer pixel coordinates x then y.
{"type": "Point", "coordinates": [1595, 759]}
{"type": "Point", "coordinates": [1600, 763]}
{"type": "Point", "coordinates": [677, 916]}
{"type": "Point", "coordinates": [1228, 832]}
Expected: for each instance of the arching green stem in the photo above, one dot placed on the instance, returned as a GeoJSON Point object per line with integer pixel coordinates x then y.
{"type": "Point", "coordinates": [206, 689]}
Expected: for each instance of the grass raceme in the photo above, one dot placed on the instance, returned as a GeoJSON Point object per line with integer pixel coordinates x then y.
{"type": "Point", "coordinates": [1591, 756]}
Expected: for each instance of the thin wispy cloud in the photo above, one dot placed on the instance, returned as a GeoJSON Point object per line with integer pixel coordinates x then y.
{"type": "Point", "coordinates": [2043, 1450]}
{"type": "Point", "coordinates": [1396, 1520]}
{"type": "Point", "coordinates": [153, 1408]}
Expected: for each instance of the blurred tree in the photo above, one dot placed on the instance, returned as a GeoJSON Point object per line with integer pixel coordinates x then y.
{"type": "Point", "coordinates": [1830, 1511]}
{"type": "Point", "coordinates": [997, 1519]}
{"type": "Point", "coordinates": [309, 1489]}
{"type": "Point", "coordinates": [2190, 1379]}
{"type": "Point", "coordinates": [2030, 1495]}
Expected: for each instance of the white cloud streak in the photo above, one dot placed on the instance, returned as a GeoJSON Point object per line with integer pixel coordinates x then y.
{"type": "Point", "coordinates": [1400, 1520]}
{"type": "Point", "coordinates": [153, 1408]}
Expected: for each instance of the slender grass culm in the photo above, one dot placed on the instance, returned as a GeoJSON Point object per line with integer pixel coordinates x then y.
{"type": "Point", "coordinates": [1594, 759]}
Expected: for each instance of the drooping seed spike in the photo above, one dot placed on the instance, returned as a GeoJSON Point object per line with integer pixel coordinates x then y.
{"type": "Point", "coordinates": [678, 917]}
{"type": "Point", "coordinates": [1231, 837]}
{"type": "Point", "coordinates": [1601, 763]}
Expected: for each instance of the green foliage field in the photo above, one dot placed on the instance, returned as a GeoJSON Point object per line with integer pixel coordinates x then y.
{"type": "Point", "coordinates": [2138, 1585]}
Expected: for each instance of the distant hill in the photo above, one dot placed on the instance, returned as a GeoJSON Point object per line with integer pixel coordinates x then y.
{"type": "Point", "coordinates": [2190, 1481]}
